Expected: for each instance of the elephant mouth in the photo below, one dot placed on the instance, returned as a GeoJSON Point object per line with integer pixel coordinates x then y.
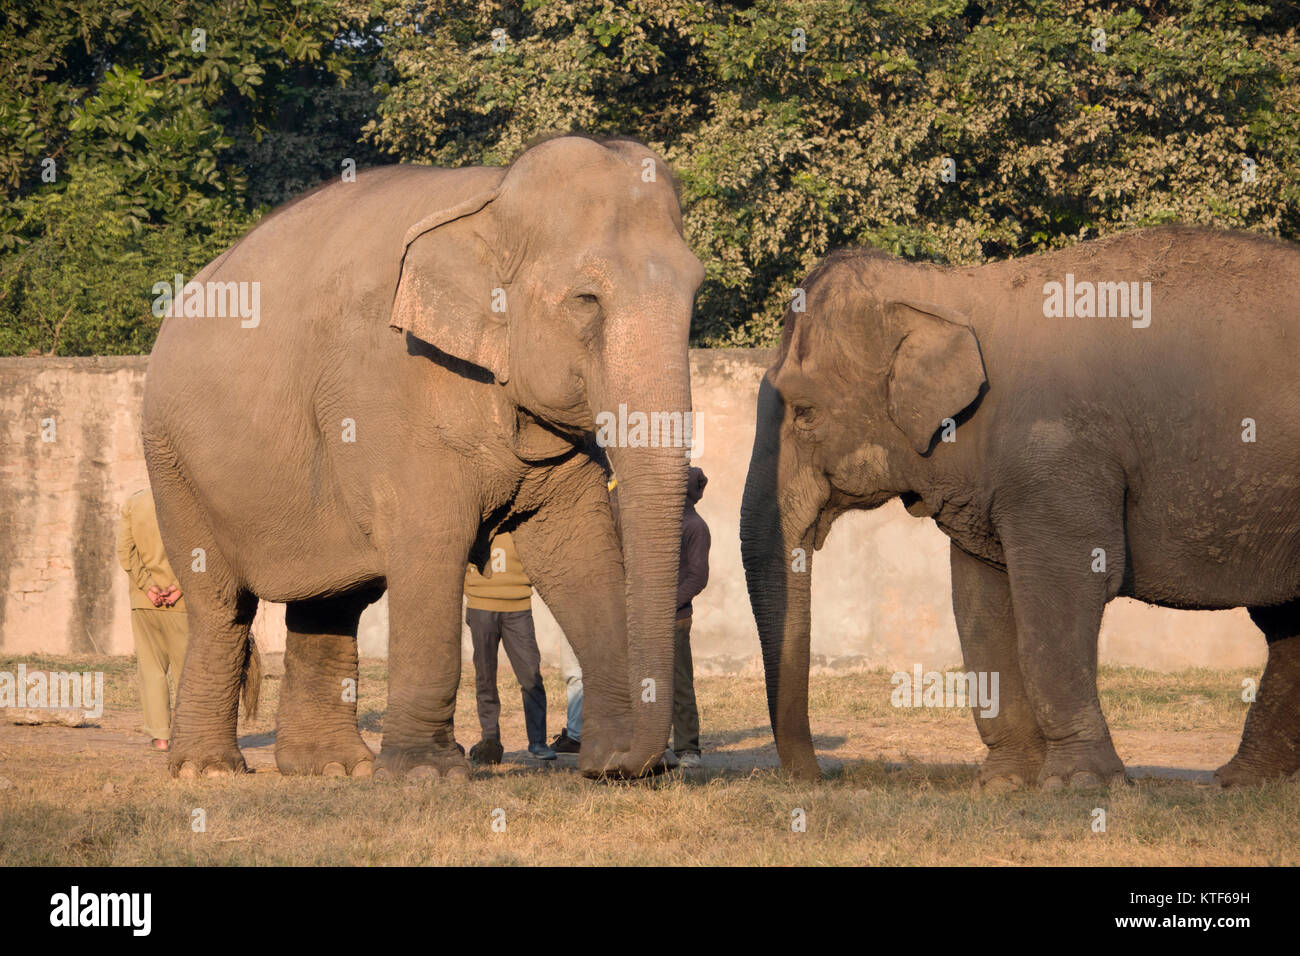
{"type": "Point", "coordinates": [537, 440]}
{"type": "Point", "coordinates": [915, 504]}
{"type": "Point", "coordinates": [573, 432]}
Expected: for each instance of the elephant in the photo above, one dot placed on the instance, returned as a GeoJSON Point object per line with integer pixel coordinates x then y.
{"type": "Point", "coordinates": [430, 352]}
{"type": "Point", "coordinates": [1116, 418]}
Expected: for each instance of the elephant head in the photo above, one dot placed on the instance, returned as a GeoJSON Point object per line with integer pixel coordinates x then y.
{"type": "Point", "coordinates": [864, 380]}
{"type": "Point", "coordinates": [569, 283]}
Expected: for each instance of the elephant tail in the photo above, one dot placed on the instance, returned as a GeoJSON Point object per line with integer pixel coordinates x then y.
{"type": "Point", "coordinates": [251, 679]}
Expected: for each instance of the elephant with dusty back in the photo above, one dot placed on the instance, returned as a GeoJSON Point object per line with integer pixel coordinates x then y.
{"type": "Point", "coordinates": [1117, 418]}
{"type": "Point", "coordinates": [432, 351]}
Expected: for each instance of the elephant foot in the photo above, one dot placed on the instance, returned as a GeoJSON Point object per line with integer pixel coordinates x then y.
{"type": "Point", "coordinates": [1270, 741]}
{"type": "Point", "coordinates": [1082, 765]}
{"type": "Point", "coordinates": [346, 758]}
{"type": "Point", "coordinates": [191, 761]}
{"type": "Point", "coordinates": [1006, 771]}
{"type": "Point", "coordinates": [1252, 767]}
{"type": "Point", "coordinates": [449, 764]}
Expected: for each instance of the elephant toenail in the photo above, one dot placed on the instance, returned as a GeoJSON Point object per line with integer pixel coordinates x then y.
{"type": "Point", "coordinates": [1053, 783]}
{"type": "Point", "coordinates": [334, 769]}
{"type": "Point", "coordinates": [216, 772]}
{"type": "Point", "coordinates": [423, 772]}
{"type": "Point", "coordinates": [188, 771]}
{"type": "Point", "coordinates": [457, 775]}
{"type": "Point", "coordinates": [383, 774]}
{"type": "Point", "coordinates": [1085, 779]}
{"type": "Point", "coordinates": [364, 769]}
{"type": "Point", "coordinates": [1002, 785]}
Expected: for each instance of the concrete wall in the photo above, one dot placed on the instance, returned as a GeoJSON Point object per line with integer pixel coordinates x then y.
{"type": "Point", "coordinates": [880, 588]}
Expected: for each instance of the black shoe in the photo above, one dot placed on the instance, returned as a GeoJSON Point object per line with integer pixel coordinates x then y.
{"type": "Point", "coordinates": [564, 744]}
{"type": "Point", "coordinates": [487, 751]}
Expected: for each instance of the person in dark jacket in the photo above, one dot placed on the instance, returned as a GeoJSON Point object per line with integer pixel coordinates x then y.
{"type": "Point", "coordinates": [692, 576]}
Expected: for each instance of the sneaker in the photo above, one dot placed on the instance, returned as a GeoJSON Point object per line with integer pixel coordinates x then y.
{"type": "Point", "coordinates": [487, 751]}
{"type": "Point", "coordinates": [689, 760]}
{"type": "Point", "coordinates": [541, 751]}
{"type": "Point", "coordinates": [564, 744]}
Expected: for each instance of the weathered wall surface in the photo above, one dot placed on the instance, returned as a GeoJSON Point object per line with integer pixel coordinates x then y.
{"type": "Point", "coordinates": [880, 586]}
{"type": "Point", "coordinates": [71, 456]}
{"type": "Point", "coordinates": [72, 452]}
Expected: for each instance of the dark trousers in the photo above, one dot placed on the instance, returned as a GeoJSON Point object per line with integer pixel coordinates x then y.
{"type": "Point", "coordinates": [686, 719]}
{"type": "Point", "coordinates": [489, 630]}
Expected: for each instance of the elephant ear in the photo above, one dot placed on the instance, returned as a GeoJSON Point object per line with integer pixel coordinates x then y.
{"type": "Point", "coordinates": [450, 282]}
{"type": "Point", "coordinates": [937, 370]}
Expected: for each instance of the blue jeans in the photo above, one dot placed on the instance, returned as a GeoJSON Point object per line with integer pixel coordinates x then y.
{"type": "Point", "coordinates": [573, 685]}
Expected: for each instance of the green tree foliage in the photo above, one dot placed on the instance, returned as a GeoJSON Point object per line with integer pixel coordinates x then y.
{"type": "Point", "coordinates": [133, 147]}
{"type": "Point", "coordinates": [81, 280]}
{"type": "Point", "coordinates": [789, 143]}
{"type": "Point", "coordinates": [795, 126]}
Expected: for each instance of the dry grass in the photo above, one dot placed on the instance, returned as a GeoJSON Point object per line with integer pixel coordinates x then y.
{"type": "Point", "coordinates": [897, 792]}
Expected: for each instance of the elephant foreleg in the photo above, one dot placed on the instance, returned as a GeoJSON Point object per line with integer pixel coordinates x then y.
{"type": "Point", "coordinates": [580, 577]}
{"type": "Point", "coordinates": [1065, 560]}
{"type": "Point", "coordinates": [424, 611]}
{"type": "Point", "coordinates": [316, 725]}
{"type": "Point", "coordinates": [1270, 741]}
{"type": "Point", "coordinates": [981, 602]}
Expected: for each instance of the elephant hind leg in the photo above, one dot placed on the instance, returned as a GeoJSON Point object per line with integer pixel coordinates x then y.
{"type": "Point", "coordinates": [220, 659]}
{"type": "Point", "coordinates": [316, 725]}
{"type": "Point", "coordinates": [1270, 741]}
{"type": "Point", "coordinates": [205, 722]}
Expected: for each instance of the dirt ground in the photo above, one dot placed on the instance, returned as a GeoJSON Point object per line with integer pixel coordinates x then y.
{"type": "Point", "coordinates": [897, 789]}
{"type": "Point", "coordinates": [1163, 754]}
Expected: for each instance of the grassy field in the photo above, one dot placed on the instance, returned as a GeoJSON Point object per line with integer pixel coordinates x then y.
{"type": "Point", "coordinates": [897, 791]}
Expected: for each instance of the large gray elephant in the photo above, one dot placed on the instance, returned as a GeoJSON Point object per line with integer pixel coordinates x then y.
{"type": "Point", "coordinates": [1117, 418]}
{"type": "Point", "coordinates": [425, 367]}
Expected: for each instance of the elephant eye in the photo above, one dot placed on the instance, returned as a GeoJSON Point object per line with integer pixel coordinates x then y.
{"type": "Point", "coordinates": [586, 314]}
{"type": "Point", "coordinates": [804, 416]}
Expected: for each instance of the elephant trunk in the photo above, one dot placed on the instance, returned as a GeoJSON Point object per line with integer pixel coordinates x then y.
{"type": "Point", "coordinates": [651, 478]}
{"type": "Point", "coordinates": [652, 489]}
{"type": "Point", "coordinates": [776, 545]}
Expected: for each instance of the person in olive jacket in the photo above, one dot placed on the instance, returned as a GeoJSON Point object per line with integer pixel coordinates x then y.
{"type": "Point", "coordinates": [158, 617]}
{"type": "Point", "coordinates": [500, 611]}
